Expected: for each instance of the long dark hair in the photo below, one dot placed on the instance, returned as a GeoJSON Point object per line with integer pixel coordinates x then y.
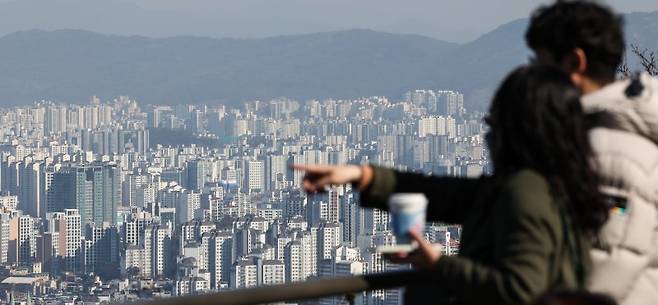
{"type": "Point", "coordinates": [537, 122]}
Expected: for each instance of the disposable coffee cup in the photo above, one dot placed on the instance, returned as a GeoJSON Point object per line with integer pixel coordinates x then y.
{"type": "Point", "coordinates": [407, 214]}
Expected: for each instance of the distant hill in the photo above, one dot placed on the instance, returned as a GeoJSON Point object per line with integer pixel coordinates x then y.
{"type": "Point", "coordinates": [71, 65]}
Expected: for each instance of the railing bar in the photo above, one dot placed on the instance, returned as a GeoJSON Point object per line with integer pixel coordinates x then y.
{"type": "Point", "coordinates": [298, 291]}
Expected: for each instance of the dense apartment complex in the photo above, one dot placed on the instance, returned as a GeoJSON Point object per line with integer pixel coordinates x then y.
{"type": "Point", "coordinates": [118, 201]}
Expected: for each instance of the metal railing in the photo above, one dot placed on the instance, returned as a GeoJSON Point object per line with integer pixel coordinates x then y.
{"type": "Point", "coordinates": [318, 288]}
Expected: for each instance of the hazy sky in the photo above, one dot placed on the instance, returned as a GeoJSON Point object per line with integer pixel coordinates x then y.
{"type": "Point", "coordinates": [454, 20]}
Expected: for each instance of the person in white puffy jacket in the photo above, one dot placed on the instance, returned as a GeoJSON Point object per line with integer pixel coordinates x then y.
{"type": "Point", "coordinates": [585, 39]}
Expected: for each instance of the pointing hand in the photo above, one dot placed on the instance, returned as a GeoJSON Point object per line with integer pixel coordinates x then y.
{"type": "Point", "coordinates": [317, 177]}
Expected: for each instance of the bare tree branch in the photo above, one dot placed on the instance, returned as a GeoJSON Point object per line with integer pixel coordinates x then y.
{"type": "Point", "coordinates": [623, 70]}
{"type": "Point", "coordinates": [648, 59]}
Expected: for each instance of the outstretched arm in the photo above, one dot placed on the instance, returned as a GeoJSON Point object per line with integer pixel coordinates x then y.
{"type": "Point", "coordinates": [450, 198]}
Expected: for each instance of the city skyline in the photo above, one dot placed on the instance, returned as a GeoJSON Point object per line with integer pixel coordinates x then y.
{"type": "Point", "coordinates": [88, 191]}
{"type": "Point", "coordinates": [154, 149]}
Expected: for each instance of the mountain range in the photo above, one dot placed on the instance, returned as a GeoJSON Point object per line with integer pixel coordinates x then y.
{"type": "Point", "coordinates": [73, 65]}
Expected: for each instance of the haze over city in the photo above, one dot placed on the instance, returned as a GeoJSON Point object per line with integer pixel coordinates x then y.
{"type": "Point", "coordinates": [163, 148]}
{"type": "Point", "coordinates": [453, 21]}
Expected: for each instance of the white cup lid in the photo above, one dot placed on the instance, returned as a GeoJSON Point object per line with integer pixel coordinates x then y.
{"type": "Point", "coordinates": [407, 201]}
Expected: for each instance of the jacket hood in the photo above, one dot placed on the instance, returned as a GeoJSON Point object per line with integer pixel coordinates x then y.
{"type": "Point", "coordinates": [630, 105]}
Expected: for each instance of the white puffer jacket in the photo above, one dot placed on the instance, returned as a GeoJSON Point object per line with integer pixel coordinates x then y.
{"type": "Point", "coordinates": [625, 264]}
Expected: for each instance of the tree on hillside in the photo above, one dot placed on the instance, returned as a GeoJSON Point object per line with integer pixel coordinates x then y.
{"type": "Point", "coordinates": [648, 60]}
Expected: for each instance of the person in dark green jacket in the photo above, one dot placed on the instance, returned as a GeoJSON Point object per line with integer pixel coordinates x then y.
{"type": "Point", "coordinates": [526, 228]}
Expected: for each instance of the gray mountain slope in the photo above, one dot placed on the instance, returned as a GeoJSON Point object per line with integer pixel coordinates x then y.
{"type": "Point", "coordinates": [71, 65]}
